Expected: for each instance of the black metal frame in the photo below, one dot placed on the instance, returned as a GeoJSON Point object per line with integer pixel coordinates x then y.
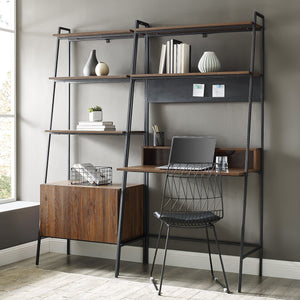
{"type": "Point", "coordinates": [136, 34]}
{"type": "Point", "coordinates": [60, 29]}
{"type": "Point", "coordinates": [253, 29]}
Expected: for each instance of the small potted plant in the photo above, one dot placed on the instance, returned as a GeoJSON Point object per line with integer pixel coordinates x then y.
{"type": "Point", "coordinates": [95, 113]}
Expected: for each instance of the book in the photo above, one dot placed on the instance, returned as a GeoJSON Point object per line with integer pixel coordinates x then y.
{"type": "Point", "coordinates": [185, 58]}
{"type": "Point", "coordinates": [168, 57]}
{"type": "Point", "coordinates": [178, 65]}
{"type": "Point", "coordinates": [175, 58]}
{"type": "Point", "coordinates": [95, 123]}
{"type": "Point", "coordinates": [162, 62]}
{"type": "Point", "coordinates": [171, 54]}
{"type": "Point", "coordinates": [95, 129]}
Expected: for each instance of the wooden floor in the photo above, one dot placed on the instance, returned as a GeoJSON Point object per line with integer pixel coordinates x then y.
{"type": "Point", "coordinates": [191, 278]}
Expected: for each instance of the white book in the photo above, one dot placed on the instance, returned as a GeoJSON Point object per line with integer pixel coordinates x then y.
{"type": "Point", "coordinates": [175, 58]}
{"type": "Point", "coordinates": [172, 43]}
{"type": "Point", "coordinates": [162, 62]}
{"type": "Point", "coordinates": [95, 123]}
{"type": "Point", "coordinates": [168, 57]}
{"type": "Point", "coordinates": [185, 58]}
{"type": "Point", "coordinates": [96, 128]}
{"type": "Point", "coordinates": [179, 47]}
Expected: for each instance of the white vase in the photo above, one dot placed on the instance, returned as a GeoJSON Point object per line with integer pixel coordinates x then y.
{"type": "Point", "coordinates": [95, 116]}
{"type": "Point", "coordinates": [209, 62]}
{"type": "Point", "coordinates": [101, 69]}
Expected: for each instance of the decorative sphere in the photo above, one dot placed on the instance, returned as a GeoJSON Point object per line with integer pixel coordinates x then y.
{"type": "Point", "coordinates": [101, 69]}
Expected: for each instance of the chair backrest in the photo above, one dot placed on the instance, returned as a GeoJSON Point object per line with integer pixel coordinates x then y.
{"type": "Point", "coordinates": [189, 190]}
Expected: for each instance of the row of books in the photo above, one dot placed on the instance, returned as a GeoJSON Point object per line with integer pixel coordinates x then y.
{"type": "Point", "coordinates": [174, 57]}
{"type": "Point", "coordinates": [97, 126]}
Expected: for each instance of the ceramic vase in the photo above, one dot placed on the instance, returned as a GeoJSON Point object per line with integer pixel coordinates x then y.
{"type": "Point", "coordinates": [95, 116]}
{"type": "Point", "coordinates": [209, 62]}
{"type": "Point", "coordinates": [101, 69]}
{"type": "Point", "coordinates": [90, 65]}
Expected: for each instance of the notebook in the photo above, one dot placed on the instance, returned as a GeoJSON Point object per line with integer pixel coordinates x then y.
{"type": "Point", "coordinates": [196, 150]}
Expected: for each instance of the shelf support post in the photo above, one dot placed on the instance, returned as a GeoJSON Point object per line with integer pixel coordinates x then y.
{"type": "Point", "coordinates": [250, 96]}
{"type": "Point", "coordinates": [60, 29]}
{"type": "Point", "coordinates": [146, 175]}
{"type": "Point", "coordinates": [262, 99]}
{"type": "Point", "coordinates": [127, 147]}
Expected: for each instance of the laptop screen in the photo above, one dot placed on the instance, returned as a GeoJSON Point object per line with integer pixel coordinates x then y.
{"type": "Point", "coordinates": [185, 149]}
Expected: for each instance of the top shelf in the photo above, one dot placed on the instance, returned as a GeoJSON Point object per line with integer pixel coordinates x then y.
{"type": "Point", "coordinates": [160, 31]}
{"type": "Point", "coordinates": [96, 35]}
{"type": "Point", "coordinates": [198, 29]}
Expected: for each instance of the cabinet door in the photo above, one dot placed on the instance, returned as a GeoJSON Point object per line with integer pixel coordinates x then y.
{"type": "Point", "coordinates": [90, 213]}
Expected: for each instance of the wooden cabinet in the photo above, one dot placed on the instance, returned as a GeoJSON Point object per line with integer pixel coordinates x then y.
{"type": "Point", "coordinates": [90, 213]}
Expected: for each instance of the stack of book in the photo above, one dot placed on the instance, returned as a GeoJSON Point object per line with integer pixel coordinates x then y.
{"type": "Point", "coordinates": [174, 57]}
{"type": "Point", "coordinates": [97, 126]}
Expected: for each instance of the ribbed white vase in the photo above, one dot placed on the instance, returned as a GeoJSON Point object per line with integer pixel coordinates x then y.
{"type": "Point", "coordinates": [209, 62]}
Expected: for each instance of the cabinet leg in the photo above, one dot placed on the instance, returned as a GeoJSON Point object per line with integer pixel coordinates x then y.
{"type": "Point", "coordinates": [146, 250]}
{"type": "Point", "coordinates": [68, 246]}
{"type": "Point", "coordinates": [38, 248]}
{"type": "Point", "coordinates": [260, 262]}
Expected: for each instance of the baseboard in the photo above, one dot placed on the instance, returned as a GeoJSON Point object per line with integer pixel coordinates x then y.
{"type": "Point", "coordinates": [21, 252]}
{"type": "Point", "coordinates": [271, 268]}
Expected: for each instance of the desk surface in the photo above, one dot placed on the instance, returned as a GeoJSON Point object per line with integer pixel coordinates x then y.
{"type": "Point", "coordinates": [155, 169]}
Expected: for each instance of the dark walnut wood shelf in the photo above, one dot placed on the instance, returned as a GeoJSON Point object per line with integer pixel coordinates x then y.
{"type": "Point", "coordinates": [93, 132]}
{"type": "Point", "coordinates": [155, 169]}
{"type": "Point", "coordinates": [94, 35]}
{"type": "Point", "coordinates": [152, 157]}
{"type": "Point", "coordinates": [91, 79]}
{"type": "Point", "coordinates": [120, 78]}
{"type": "Point", "coordinates": [191, 75]}
{"type": "Point", "coordinates": [198, 29]}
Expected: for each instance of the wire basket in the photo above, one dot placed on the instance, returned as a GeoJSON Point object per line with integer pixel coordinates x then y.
{"type": "Point", "coordinates": [87, 174]}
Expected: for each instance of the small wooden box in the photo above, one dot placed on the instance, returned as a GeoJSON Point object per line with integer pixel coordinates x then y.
{"type": "Point", "coordinates": [90, 213]}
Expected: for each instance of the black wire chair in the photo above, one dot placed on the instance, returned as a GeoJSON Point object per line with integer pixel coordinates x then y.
{"type": "Point", "coordinates": [191, 199]}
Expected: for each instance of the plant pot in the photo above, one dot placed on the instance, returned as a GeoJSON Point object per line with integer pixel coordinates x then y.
{"type": "Point", "coordinates": [95, 116]}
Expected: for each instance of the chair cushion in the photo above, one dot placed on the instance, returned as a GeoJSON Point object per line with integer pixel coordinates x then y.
{"type": "Point", "coordinates": [187, 218]}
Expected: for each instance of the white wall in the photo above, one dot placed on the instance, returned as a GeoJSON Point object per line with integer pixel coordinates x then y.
{"type": "Point", "coordinates": [38, 20]}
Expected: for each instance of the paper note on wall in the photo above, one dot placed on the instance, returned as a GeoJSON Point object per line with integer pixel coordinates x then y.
{"type": "Point", "coordinates": [218, 90]}
{"type": "Point", "coordinates": [198, 90]}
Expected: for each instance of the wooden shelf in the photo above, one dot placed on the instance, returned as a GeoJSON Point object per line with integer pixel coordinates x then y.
{"type": "Point", "coordinates": [155, 169]}
{"type": "Point", "coordinates": [152, 157]}
{"type": "Point", "coordinates": [158, 31]}
{"type": "Point", "coordinates": [190, 75]}
{"type": "Point", "coordinates": [94, 35]}
{"type": "Point", "coordinates": [198, 29]}
{"type": "Point", "coordinates": [81, 132]}
{"type": "Point", "coordinates": [91, 79]}
{"type": "Point", "coordinates": [119, 78]}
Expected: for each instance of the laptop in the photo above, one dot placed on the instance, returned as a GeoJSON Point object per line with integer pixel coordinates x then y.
{"type": "Point", "coordinates": [196, 150]}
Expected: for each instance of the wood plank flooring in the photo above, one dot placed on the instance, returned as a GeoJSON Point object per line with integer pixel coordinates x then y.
{"type": "Point", "coordinates": [183, 277]}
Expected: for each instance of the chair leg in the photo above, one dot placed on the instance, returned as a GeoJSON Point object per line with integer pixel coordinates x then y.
{"type": "Point", "coordinates": [209, 253]}
{"type": "Point", "coordinates": [226, 288]}
{"type": "Point", "coordinates": [155, 254]}
{"type": "Point", "coordinates": [164, 262]}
